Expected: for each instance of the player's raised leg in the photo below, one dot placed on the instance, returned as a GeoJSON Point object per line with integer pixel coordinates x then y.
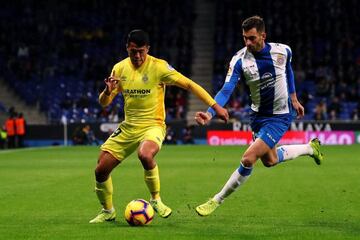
{"type": "Point", "coordinates": [104, 187]}
{"type": "Point", "coordinates": [312, 149]}
{"type": "Point", "coordinates": [146, 153]}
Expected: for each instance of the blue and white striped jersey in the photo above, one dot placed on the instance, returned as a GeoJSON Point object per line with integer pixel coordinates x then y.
{"type": "Point", "coordinates": [268, 75]}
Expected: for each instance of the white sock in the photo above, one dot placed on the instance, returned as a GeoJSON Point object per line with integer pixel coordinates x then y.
{"type": "Point", "coordinates": [110, 210]}
{"type": "Point", "coordinates": [288, 152]}
{"type": "Point", "coordinates": [231, 185]}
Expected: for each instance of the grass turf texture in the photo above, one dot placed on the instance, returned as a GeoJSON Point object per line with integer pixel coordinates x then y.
{"type": "Point", "coordinates": [47, 193]}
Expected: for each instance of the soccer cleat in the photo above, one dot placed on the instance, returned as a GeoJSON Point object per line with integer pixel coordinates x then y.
{"type": "Point", "coordinates": [159, 207]}
{"type": "Point", "coordinates": [317, 155]}
{"type": "Point", "coordinates": [104, 216]}
{"type": "Point", "coordinates": [207, 208]}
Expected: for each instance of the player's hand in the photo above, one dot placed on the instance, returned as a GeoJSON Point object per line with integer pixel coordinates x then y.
{"type": "Point", "coordinates": [111, 83]}
{"type": "Point", "coordinates": [221, 112]}
{"type": "Point", "coordinates": [298, 108]}
{"type": "Point", "coordinates": [202, 118]}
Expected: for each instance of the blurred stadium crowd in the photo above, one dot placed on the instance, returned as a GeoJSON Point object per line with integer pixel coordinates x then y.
{"type": "Point", "coordinates": [57, 53]}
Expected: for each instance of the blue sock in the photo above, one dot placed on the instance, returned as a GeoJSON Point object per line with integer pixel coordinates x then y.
{"type": "Point", "coordinates": [244, 171]}
{"type": "Point", "coordinates": [280, 153]}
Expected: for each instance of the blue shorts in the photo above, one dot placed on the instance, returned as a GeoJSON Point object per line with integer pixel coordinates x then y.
{"type": "Point", "coordinates": [270, 128]}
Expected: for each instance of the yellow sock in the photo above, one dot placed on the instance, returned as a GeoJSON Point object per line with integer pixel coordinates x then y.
{"type": "Point", "coordinates": [152, 181]}
{"type": "Point", "coordinates": [104, 193]}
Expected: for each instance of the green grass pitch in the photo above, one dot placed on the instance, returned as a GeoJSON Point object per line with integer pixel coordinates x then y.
{"type": "Point", "coordinates": [47, 193]}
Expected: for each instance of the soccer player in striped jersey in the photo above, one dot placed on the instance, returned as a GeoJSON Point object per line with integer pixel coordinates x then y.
{"type": "Point", "coordinates": [266, 70]}
{"type": "Point", "coordinates": [141, 79]}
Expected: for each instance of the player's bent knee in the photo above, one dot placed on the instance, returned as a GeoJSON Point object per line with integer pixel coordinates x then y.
{"type": "Point", "coordinates": [101, 175]}
{"type": "Point", "coordinates": [268, 164]}
{"type": "Point", "coordinates": [247, 162]}
{"type": "Point", "coordinates": [145, 156]}
{"type": "Point", "coordinates": [147, 160]}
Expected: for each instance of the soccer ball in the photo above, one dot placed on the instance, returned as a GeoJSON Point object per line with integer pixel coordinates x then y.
{"type": "Point", "coordinates": [139, 212]}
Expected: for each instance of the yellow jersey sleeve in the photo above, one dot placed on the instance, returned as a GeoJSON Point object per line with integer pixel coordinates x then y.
{"type": "Point", "coordinates": [172, 77]}
{"type": "Point", "coordinates": [167, 73]}
{"type": "Point", "coordinates": [196, 89]}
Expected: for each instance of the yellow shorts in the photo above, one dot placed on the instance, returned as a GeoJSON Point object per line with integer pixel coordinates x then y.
{"type": "Point", "coordinates": [127, 137]}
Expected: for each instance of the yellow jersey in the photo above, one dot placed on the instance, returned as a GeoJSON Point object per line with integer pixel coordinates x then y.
{"type": "Point", "coordinates": [143, 89]}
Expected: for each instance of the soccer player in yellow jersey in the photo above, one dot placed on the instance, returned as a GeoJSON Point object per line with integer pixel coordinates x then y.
{"type": "Point", "coordinates": [141, 79]}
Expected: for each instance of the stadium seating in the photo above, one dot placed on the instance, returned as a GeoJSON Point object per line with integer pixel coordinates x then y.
{"type": "Point", "coordinates": [56, 54]}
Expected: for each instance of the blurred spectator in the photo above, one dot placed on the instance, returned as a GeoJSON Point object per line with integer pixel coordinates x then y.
{"type": "Point", "coordinates": [180, 103]}
{"type": "Point", "coordinates": [169, 114]}
{"type": "Point", "coordinates": [10, 130]}
{"type": "Point", "coordinates": [320, 112]}
{"type": "Point", "coordinates": [170, 137]}
{"type": "Point", "coordinates": [92, 140]}
{"type": "Point", "coordinates": [235, 108]}
{"type": "Point", "coordinates": [322, 87]}
{"type": "Point", "coordinates": [170, 104]}
{"type": "Point", "coordinates": [104, 113]}
{"type": "Point", "coordinates": [187, 135]}
{"type": "Point", "coordinates": [23, 51]}
{"type": "Point", "coordinates": [334, 109]}
{"type": "Point", "coordinates": [355, 115]}
{"type": "Point", "coordinates": [114, 115]}
{"type": "Point", "coordinates": [80, 137]}
{"type": "Point", "coordinates": [20, 125]}
{"type": "Point", "coordinates": [356, 112]}
{"type": "Point", "coordinates": [84, 136]}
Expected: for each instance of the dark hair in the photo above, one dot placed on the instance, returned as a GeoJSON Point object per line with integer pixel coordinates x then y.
{"type": "Point", "coordinates": [253, 22]}
{"type": "Point", "coordinates": [139, 37]}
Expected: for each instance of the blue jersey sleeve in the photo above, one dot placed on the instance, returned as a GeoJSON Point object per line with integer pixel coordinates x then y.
{"type": "Point", "coordinates": [231, 80]}
{"type": "Point", "coordinates": [290, 73]}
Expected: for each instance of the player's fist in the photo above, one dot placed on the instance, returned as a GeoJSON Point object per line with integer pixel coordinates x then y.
{"type": "Point", "coordinates": [202, 118]}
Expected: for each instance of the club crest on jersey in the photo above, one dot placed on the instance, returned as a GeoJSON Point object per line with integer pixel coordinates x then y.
{"type": "Point", "coordinates": [280, 59]}
{"type": "Point", "coordinates": [145, 78]}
